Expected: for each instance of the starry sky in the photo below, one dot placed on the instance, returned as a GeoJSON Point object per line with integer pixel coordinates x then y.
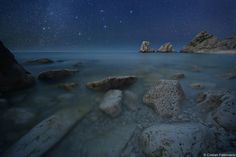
{"type": "Point", "coordinates": [77, 24]}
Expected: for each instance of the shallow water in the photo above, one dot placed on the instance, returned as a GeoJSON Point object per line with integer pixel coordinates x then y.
{"type": "Point", "coordinates": [96, 129]}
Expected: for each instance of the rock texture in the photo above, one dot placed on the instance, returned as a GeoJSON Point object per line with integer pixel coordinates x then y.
{"type": "Point", "coordinates": [115, 82]}
{"type": "Point", "coordinates": [40, 61]}
{"type": "Point", "coordinates": [167, 47]}
{"type": "Point", "coordinates": [205, 42]}
{"type": "Point", "coordinates": [12, 75]}
{"type": "Point", "coordinates": [165, 97]}
{"type": "Point", "coordinates": [145, 47]}
{"type": "Point", "coordinates": [180, 139]}
{"type": "Point", "coordinates": [111, 103]}
{"type": "Point", "coordinates": [56, 75]}
{"type": "Point", "coordinates": [47, 133]}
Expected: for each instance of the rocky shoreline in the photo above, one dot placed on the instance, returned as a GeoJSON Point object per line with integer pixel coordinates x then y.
{"type": "Point", "coordinates": [122, 122]}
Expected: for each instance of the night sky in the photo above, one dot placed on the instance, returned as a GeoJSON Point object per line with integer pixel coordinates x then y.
{"type": "Point", "coordinates": [74, 24]}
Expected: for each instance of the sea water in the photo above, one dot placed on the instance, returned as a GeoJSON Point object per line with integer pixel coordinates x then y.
{"type": "Point", "coordinates": [45, 99]}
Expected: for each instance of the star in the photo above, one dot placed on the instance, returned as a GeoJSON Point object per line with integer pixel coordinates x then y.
{"type": "Point", "coordinates": [131, 11]}
{"type": "Point", "coordinates": [121, 21]}
{"type": "Point", "coordinates": [105, 26]}
{"type": "Point", "coordinates": [102, 11]}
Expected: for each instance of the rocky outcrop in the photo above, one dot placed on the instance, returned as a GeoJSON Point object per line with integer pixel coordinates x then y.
{"type": "Point", "coordinates": [111, 103]}
{"type": "Point", "coordinates": [145, 47]}
{"type": "Point", "coordinates": [56, 75]}
{"type": "Point", "coordinates": [180, 139]}
{"type": "Point", "coordinates": [47, 133]}
{"type": "Point", "coordinates": [167, 47]}
{"type": "Point", "coordinates": [40, 61]}
{"type": "Point", "coordinates": [165, 97]}
{"type": "Point", "coordinates": [114, 82]}
{"type": "Point", "coordinates": [205, 42]}
{"type": "Point", "coordinates": [12, 75]}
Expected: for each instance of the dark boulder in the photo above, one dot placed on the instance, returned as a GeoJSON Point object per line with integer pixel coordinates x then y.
{"type": "Point", "coordinates": [12, 75]}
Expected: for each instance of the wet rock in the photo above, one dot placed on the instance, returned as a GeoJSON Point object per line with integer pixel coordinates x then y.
{"type": "Point", "coordinates": [19, 116]}
{"type": "Point", "coordinates": [114, 82]}
{"type": "Point", "coordinates": [40, 61]}
{"type": "Point", "coordinates": [165, 97]}
{"type": "Point", "coordinates": [178, 76]}
{"type": "Point", "coordinates": [210, 100]}
{"type": "Point", "coordinates": [130, 100]}
{"type": "Point", "coordinates": [110, 144]}
{"type": "Point", "coordinates": [180, 139]}
{"type": "Point", "coordinates": [56, 75]}
{"type": "Point", "coordinates": [205, 42]}
{"type": "Point", "coordinates": [12, 75]}
{"type": "Point", "coordinates": [47, 133]}
{"type": "Point", "coordinates": [225, 115]}
{"type": "Point", "coordinates": [196, 68]}
{"type": "Point", "coordinates": [167, 47]}
{"type": "Point", "coordinates": [65, 97]}
{"type": "Point", "coordinates": [197, 85]}
{"type": "Point", "coordinates": [145, 47]}
{"type": "Point", "coordinates": [68, 86]}
{"type": "Point", "coordinates": [111, 104]}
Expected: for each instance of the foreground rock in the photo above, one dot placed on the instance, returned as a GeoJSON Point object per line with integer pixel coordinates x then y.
{"type": "Point", "coordinates": [111, 103]}
{"type": "Point", "coordinates": [47, 133]}
{"type": "Point", "coordinates": [12, 75]}
{"type": "Point", "coordinates": [145, 47]}
{"type": "Point", "coordinates": [165, 97]}
{"type": "Point", "coordinates": [225, 115]}
{"type": "Point", "coordinates": [181, 139]}
{"type": "Point", "coordinates": [205, 42]}
{"type": "Point", "coordinates": [40, 61]}
{"type": "Point", "coordinates": [56, 75]}
{"type": "Point", "coordinates": [118, 82]}
{"type": "Point", "coordinates": [211, 100]}
{"type": "Point", "coordinates": [167, 47]}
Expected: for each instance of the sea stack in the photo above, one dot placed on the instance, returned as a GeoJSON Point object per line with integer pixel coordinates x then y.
{"type": "Point", "coordinates": [204, 42]}
{"type": "Point", "coordinates": [145, 47]}
{"type": "Point", "coordinates": [12, 75]}
{"type": "Point", "coordinates": [167, 47]}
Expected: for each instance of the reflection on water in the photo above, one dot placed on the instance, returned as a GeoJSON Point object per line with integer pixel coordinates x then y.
{"type": "Point", "coordinates": [45, 99]}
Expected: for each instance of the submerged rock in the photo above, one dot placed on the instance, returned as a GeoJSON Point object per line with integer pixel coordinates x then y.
{"type": "Point", "coordinates": [68, 86]}
{"type": "Point", "coordinates": [180, 139]}
{"type": "Point", "coordinates": [165, 97]}
{"type": "Point", "coordinates": [232, 74]}
{"type": "Point", "coordinates": [47, 133]}
{"type": "Point", "coordinates": [111, 103]}
{"type": "Point", "coordinates": [56, 75]}
{"type": "Point", "coordinates": [167, 47]}
{"type": "Point", "coordinates": [205, 42]}
{"type": "Point", "coordinates": [145, 47]}
{"type": "Point", "coordinates": [12, 75]}
{"type": "Point", "coordinates": [40, 61]}
{"type": "Point", "coordinates": [114, 82]}
{"type": "Point", "coordinates": [19, 116]}
{"type": "Point", "coordinates": [130, 100]}
{"type": "Point", "coordinates": [197, 85]}
{"type": "Point", "coordinates": [178, 76]}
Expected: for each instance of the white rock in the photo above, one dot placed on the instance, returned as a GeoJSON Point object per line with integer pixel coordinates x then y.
{"type": "Point", "coordinates": [180, 139]}
{"type": "Point", "coordinates": [165, 97]}
{"type": "Point", "coordinates": [111, 103]}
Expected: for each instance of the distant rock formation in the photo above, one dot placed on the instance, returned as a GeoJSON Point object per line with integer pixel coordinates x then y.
{"type": "Point", "coordinates": [205, 42]}
{"type": "Point", "coordinates": [145, 47]}
{"type": "Point", "coordinates": [167, 47]}
{"type": "Point", "coordinates": [12, 75]}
